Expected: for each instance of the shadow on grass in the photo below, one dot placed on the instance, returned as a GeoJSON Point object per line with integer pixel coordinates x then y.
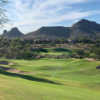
{"type": "Point", "coordinates": [61, 50]}
{"type": "Point", "coordinates": [28, 77]}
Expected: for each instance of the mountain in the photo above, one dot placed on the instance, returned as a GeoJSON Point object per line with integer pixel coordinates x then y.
{"type": "Point", "coordinates": [85, 29]}
{"type": "Point", "coordinates": [13, 33]}
{"type": "Point", "coordinates": [49, 33]}
{"type": "Point", "coordinates": [82, 29]}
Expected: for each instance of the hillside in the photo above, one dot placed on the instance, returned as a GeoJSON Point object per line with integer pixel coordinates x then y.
{"type": "Point", "coordinates": [85, 29]}
{"type": "Point", "coordinates": [82, 29]}
{"type": "Point", "coordinates": [50, 33]}
{"type": "Point", "coordinates": [13, 33]}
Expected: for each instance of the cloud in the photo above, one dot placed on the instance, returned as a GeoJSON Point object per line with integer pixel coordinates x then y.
{"type": "Point", "coordinates": [29, 15]}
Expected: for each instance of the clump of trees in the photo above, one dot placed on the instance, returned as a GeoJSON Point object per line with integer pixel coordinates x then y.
{"type": "Point", "coordinates": [95, 51]}
{"type": "Point", "coordinates": [16, 49]}
{"type": "Point", "coordinates": [19, 49]}
{"type": "Point", "coordinates": [30, 49]}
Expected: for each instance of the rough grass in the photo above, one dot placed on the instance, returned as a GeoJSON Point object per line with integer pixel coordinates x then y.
{"type": "Point", "coordinates": [79, 80]}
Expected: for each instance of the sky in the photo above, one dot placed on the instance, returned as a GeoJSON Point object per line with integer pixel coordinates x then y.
{"type": "Point", "coordinates": [29, 15]}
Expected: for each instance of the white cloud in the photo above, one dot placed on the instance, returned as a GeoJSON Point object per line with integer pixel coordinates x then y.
{"type": "Point", "coordinates": [29, 15]}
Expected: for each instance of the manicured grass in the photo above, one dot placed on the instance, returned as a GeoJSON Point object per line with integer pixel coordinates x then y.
{"type": "Point", "coordinates": [78, 80]}
{"type": "Point", "coordinates": [57, 51]}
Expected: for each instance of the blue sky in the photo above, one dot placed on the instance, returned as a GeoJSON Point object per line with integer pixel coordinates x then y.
{"type": "Point", "coordinates": [29, 15]}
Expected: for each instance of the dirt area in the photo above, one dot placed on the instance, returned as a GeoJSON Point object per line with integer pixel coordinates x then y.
{"type": "Point", "coordinates": [90, 59]}
{"type": "Point", "coordinates": [9, 69]}
{"type": "Point", "coordinates": [13, 70]}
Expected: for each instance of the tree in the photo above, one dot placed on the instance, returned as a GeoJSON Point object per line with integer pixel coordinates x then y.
{"type": "Point", "coordinates": [3, 17]}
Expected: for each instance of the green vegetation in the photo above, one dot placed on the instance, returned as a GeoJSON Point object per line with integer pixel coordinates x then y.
{"type": "Point", "coordinates": [31, 70]}
{"type": "Point", "coordinates": [36, 49]}
{"type": "Point", "coordinates": [46, 79]}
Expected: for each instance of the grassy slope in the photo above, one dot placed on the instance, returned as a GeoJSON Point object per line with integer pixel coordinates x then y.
{"type": "Point", "coordinates": [80, 80]}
